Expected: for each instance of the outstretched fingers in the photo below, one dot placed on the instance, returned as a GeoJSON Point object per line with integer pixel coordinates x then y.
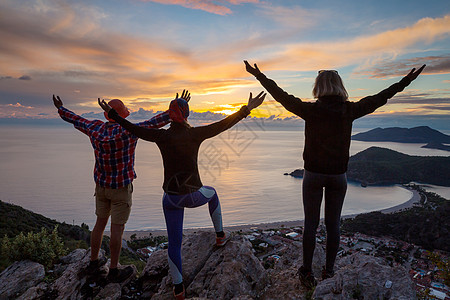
{"type": "Point", "coordinates": [186, 95]}
{"type": "Point", "coordinates": [414, 74]}
{"type": "Point", "coordinates": [57, 101]}
{"type": "Point", "coordinates": [255, 102]}
{"type": "Point", "coordinates": [105, 106]}
{"type": "Point", "coordinates": [252, 70]}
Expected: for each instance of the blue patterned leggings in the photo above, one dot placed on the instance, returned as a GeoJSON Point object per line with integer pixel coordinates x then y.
{"type": "Point", "coordinates": [173, 206]}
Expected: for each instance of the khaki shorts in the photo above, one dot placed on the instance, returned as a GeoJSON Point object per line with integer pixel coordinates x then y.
{"type": "Point", "coordinates": [113, 202]}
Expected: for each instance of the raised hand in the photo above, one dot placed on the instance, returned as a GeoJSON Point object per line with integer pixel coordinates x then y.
{"type": "Point", "coordinates": [413, 74]}
{"type": "Point", "coordinates": [105, 106]}
{"type": "Point", "coordinates": [57, 101]}
{"type": "Point", "coordinates": [254, 71]}
{"type": "Point", "coordinates": [255, 102]}
{"type": "Point", "coordinates": [185, 95]}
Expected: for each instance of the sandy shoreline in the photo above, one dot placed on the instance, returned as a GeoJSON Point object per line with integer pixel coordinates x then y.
{"type": "Point", "coordinates": [145, 233]}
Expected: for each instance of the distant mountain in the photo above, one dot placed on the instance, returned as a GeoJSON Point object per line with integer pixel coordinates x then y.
{"type": "Point", "coordinates": [375, 166]}
{"type": "Point", "coordinates": [421, 134]}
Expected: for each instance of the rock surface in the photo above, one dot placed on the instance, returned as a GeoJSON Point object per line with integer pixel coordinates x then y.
{"type": "Point", "coordinates": [367, 276]}
{"type": "Point", "coordinates": [19, 277]}
{"type": "Point", "coordinates": [229, 272]}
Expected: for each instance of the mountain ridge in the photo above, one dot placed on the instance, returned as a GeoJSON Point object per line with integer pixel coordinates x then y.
{"type": "Point", "coordinates": [420, 134]}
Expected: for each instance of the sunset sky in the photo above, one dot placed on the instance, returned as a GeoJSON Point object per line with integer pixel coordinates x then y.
{"type": "Point", "coordinates": [144, 51]}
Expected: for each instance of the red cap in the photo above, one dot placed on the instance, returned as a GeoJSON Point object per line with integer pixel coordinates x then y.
{"type": "Point", "coordinates": [118, 106]}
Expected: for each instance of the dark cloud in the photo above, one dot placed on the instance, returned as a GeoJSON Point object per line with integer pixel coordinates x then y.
{"type": "Point", "coordinates": [5, 77]}
{"type": "Point", "coordinates": [25, 77]}
{"type": "Point", "coordinates": [418, 99]}
{"type": "Point", "coordinates": [437, 107]}
{"type": "Point", "coordinates": [435, 65]}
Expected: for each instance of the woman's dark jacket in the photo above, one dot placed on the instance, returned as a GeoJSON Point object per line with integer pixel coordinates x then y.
{"type": "Point", "coordinates": [329, 123]}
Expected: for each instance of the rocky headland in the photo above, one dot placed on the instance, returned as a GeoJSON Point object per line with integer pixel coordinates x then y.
{"type": "Point", "coordinates": [380, 166]}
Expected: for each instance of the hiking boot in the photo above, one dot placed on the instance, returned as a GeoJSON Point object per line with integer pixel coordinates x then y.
{"type": "Point", "coordinates": [221, 241]}
{"type": "Point", "coordinates": [119, 275]}
{"type": "Point", "coordinates": [93, 267]}
{"type": "Point", "coordinates": [326, 274]}
{"type": "Point", "coordinates": [180, 295]}
{"type": "Point", "coordinates": [306, 278]}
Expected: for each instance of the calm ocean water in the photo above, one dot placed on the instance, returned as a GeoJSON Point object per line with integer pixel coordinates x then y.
{"type": "Point", "coordinates": [49, 170]}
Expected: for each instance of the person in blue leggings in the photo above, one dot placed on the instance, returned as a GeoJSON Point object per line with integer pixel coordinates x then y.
{"type": "Point", "coordinates": [179, 146]}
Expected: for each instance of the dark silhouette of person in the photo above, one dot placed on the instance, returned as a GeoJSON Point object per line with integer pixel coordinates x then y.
{"type": "Point", "coordinates": [114, 150]}
{"type": "Point", "coordinates": [179, 146]}
{"type": "Point", "coordinates": [328, 126]}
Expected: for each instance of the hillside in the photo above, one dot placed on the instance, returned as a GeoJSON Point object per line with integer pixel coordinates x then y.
{"type": "Point", "coordinates": [421, 134]}
{"type": "Point", "coordinates": [377, 166]}
{"type": "Point", "coordinates": [15, 219]}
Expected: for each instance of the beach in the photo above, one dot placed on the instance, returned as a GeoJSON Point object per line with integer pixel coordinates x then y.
{"type": "Point", "coordinates": [415, 198]}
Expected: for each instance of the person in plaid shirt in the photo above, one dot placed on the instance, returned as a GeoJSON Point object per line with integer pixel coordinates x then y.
{"type": "Point", "coordinates": [114, 149]}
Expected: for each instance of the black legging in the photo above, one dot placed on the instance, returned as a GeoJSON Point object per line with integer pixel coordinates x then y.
{"type": "Point", "coordinates": [335, 187]}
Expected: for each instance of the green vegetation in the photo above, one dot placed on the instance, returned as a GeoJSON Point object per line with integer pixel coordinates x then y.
{"type": "Point", "coordinates": [42, 247]}
{"type": "Point", "coordinates": [426, 225]}
{"type": "Point", "coordinates": [384, 166]}
{"type": "Point", "coordinates": [22, 229]}
{"type": "Point", "coordinates": [15, 219]}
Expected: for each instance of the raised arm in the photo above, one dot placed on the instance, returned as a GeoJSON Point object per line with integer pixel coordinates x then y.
{"type": "Point", "coordinates": [290, 102]}
{"type": "Point", "coordinates": [208, 131]}
{"type": "Point", "coordinates": [78, 122]}
{"type": "Point", "coordinates": [148, 134]}
{"type": "Point", "coordinates": [369, 104]}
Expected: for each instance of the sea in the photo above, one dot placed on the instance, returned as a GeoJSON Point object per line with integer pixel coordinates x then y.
{"type": "Point", "coordinates": [49, 170]}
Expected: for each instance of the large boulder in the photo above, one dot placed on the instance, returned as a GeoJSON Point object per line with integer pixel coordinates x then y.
{"type": "Point", "coordinates": [230, 272]}
{"type": "Point", "coordinates": [284, 278]}
{"type": "Point", "coordinates": [208, 272]}
{"type": "Point", "coordinates": [68, 286]}
{"type": "Point", "coordinates": [19, 277]}
{"type": "Point", "coordinates": [368, 276]}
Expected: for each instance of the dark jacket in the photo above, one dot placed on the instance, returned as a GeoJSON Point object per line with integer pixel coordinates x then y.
{"type": "Point", "coordinates": [328, 123]}
{"type": "Point", "coordinates": [179, 148]}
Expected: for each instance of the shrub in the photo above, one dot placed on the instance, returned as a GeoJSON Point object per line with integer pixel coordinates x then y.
{"type": "Point", "coordinates": [42, 247]}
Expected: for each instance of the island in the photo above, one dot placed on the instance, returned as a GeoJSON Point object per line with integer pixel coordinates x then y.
{"type": "Point", "coordinates": [422, 134]}
{"type": "Point", "coordinates": [382, 166]}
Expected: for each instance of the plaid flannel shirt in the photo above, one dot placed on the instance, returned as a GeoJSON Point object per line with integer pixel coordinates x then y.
{"type": "Point", "coordinates": [114, 147]}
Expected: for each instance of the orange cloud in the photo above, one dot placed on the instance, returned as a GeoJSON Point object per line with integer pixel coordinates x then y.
{"type": "Point", "coordinates": [205, 5]}
{"type": "Point", "coordinates": [365, 50]}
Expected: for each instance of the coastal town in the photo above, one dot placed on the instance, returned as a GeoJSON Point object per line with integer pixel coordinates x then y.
{"type": "Point", "coordinates": [268, 246]}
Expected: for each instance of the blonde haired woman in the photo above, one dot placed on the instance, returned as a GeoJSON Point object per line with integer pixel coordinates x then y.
{"type": "Point", "coordinates": [328, 126]}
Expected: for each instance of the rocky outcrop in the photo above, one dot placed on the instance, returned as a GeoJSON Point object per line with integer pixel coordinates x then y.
{"type": "Point", "coordinates": [230, 272]}
{"type": "Point", "coordinates": [368, 276]}
{"type": "Point", "coordinates": [208, 272]}
{"type": "Point", "coordinates": [24, 280]}
{"type": "Point", "coordinates": [19, 277]}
